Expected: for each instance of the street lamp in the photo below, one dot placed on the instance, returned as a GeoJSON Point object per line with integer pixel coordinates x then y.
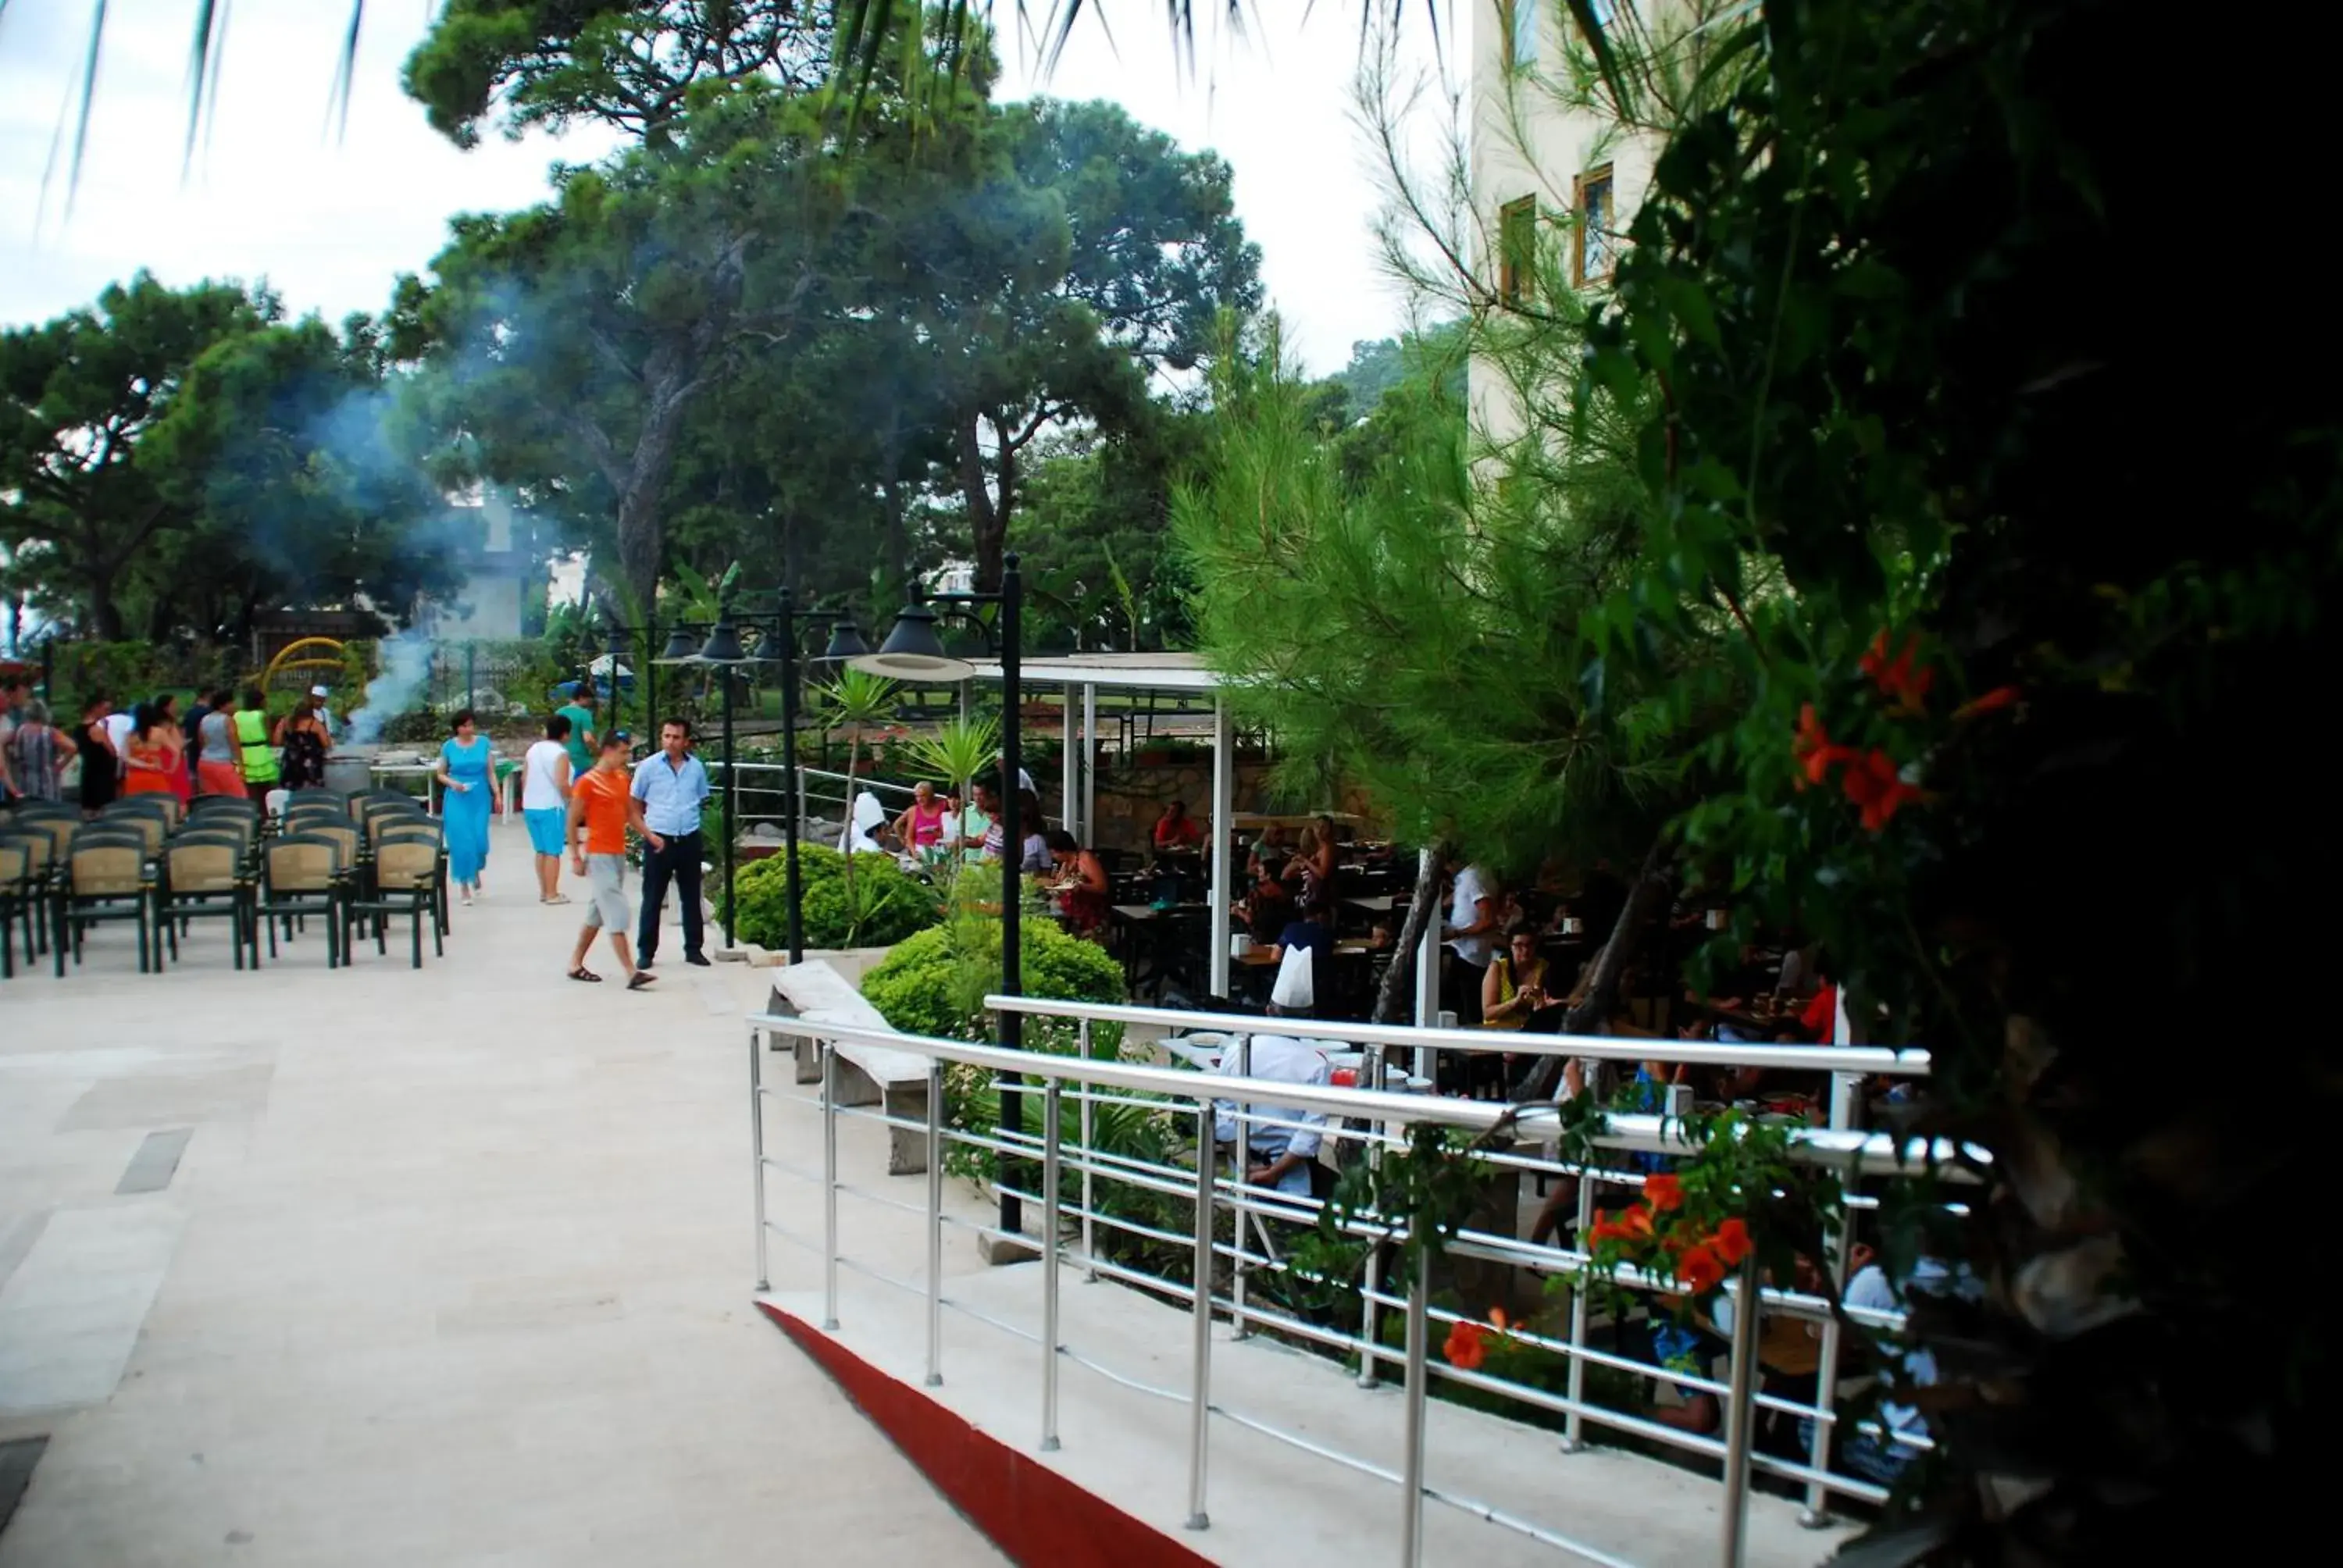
{"type": "Point", "coordinates": [618, 640]}
{"type": "Point", "coordinates": [912, 651]}
{"type": "Point", "coordinates": [723, 648]}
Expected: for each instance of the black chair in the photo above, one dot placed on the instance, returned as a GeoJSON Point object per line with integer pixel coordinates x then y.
{"type": "Point", "coordinates": [208, 876]}
{"type": "Point", "coordinates": [23, 896]}
{"type": "Point", "coordinates": [303, 875]}
{"type": "Point", "coordinates": [407, 879]}
{"type": "Point", "coordinates": [109, 877]}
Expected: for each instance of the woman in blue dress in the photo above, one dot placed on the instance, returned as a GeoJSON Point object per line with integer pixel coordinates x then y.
{"type": "Point", "coordinates": [466, 774]}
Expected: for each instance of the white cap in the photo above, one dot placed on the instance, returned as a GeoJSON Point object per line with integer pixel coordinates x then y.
{"type": "Point", "coordinates": [319, 691]}
{"type": "Point", "coordinates": [1293, 987]}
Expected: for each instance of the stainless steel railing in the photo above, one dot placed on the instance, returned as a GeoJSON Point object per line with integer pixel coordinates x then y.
{"type": "Point", "coordinates": [1378, 1119]}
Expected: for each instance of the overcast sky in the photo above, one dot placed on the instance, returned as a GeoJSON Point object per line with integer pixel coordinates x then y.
{"type": "Point", "coordinates": [330, 223]}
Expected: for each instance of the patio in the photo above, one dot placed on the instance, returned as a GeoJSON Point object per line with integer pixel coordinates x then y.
{"type": "Point", "coordinates": [379, 1266]}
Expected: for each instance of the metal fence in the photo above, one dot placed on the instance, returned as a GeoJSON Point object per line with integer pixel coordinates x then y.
{"type": "Point", "coordinates": [1378, 1119]}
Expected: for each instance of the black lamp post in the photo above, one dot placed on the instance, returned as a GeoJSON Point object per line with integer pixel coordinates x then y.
{"type": "Point", "coordinates": [913, 652]}
{"type": "Point", "coordinates": [724, 650]}
{"type": "Point", "coordinates": [618, 638]}
{"type": "Point", "coordinates": [845, 644]}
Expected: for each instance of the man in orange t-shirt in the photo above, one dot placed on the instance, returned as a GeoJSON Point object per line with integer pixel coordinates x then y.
{"type": "Point", "coordinates": [601, 808]}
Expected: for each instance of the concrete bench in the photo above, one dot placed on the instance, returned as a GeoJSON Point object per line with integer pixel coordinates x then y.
{"type": "Point", "coordinates": [895, 1080]}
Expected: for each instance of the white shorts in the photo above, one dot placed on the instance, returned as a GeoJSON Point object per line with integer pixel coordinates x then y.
{"type": "Point", "coordinates": [606, 886]}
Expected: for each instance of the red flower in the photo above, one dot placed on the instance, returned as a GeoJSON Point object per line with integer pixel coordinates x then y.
{"type": "Point", "coordinates": [1663, 1192]}
{"type": "Point", "coordinates": [1467, 1344]}
{"type": "Point", "coordinates": [1731, 1243]}
{"type": "Point", "coordinates": [1877, 786]}
{"type": "Point", "coordinates": [1896, 677]}
{"type": "Point", "coordinates": [1497, 1317]}
{"type": "Point", "coordinates": [1999, 697]}
{"type": "Point", "coordinates": [1700, 1269]}
{"type": "Point", "coordinates": [1812, 748]}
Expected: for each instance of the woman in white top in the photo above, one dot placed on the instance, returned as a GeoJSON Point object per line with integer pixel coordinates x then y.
{"type": "Point", "coordinates": [545, 805]}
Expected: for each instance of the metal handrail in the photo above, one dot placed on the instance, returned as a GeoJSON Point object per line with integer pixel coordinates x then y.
{"type": "Point", "coordinates": [1873, 1154]}
{"type": "Point", "coordinates": [1371, 1114]}
{"type": "Point", "coordinates": [1869, 1060]}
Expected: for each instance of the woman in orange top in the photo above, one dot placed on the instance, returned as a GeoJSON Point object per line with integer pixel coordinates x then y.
{"type": "Point", "coordinates": [150, 761]}
{"type": "Point", "coordinates": [175, 738]}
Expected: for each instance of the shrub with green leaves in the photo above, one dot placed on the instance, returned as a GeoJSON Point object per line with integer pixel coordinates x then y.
{"type": "Point", "coordinates": [884, 907]}
{"type": "Point", "coordinates": [935, 983]}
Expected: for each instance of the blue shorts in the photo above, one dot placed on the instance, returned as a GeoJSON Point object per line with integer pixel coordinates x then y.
{"type": "Point", "coordinates": [545, 829]}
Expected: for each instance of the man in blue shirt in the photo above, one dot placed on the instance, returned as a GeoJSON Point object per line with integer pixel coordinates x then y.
{"type": "Point", "coordinates": [672, 785]}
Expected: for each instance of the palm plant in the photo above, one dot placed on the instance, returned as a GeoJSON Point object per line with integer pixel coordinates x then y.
{"type": "Point", "coordinates": [958, 751]}
{"type": "Point", "coordinates": [855, 698]}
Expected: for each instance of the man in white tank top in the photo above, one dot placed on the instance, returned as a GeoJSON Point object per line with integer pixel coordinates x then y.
{"type": "Point", "coordinates": [545, 805]}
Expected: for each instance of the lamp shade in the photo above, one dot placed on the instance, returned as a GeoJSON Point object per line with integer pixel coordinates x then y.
{"type": "Point", "coordinates": [845, 643]}
{"type": "Point", "coordinates": [723, 646]}
{"type": "Point", "coordinates": [682, 647]}
{"type": "Point", "coordinates": [614, 639]}
{"type": "Point", "coordinates": [912, 651]}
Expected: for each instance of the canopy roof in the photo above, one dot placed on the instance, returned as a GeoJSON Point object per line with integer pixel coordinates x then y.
{"type": "Point", "coordinates": [1130, 671]}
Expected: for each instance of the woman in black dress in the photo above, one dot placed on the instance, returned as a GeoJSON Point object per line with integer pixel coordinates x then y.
{"type": "Point", "coordinates": [101, 770]}
{"type": "Point", "coordinates": [303, 737]}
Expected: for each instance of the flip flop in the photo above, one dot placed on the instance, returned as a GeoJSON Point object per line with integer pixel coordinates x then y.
{"type": "Point", "coordinates": [640, 980]}
{"type": "Point", "coordinates": [588, 976]}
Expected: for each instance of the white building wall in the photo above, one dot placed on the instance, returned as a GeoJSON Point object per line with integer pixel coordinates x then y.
{"type": "Point", "coordinates": [1526, 141]}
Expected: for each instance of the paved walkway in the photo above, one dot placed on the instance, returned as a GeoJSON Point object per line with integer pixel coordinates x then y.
{"type": "Point", "coordinates": [381, 1266]}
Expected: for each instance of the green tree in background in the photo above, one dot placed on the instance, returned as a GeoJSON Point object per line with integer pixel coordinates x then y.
{"type": "Point", "coordinates": [77, 398]}
{"type": "Point", "coordinates": [524, 64]}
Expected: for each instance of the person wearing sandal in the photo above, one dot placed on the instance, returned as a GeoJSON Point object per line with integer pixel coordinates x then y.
{"type": "Point", "coordinates": [601, 809]}
{"type": "Point", "coordinates": [545, 805]}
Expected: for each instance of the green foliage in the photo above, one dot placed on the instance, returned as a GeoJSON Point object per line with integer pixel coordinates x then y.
{"type": "Point", "coordinates": [935, 982]}
{"type": "Point", "coordinates": [1413, 631]}
{"type": "Point", "coordinates": [1898, 364]}
{"type": "Point", "coordinates": [542, 63]}
{"type": "Point", "coordinates": [884, 907]}
{"type": "Point", "coordinates": [961, 749]}
{"type": "Point", "coordinates": [183, 460]}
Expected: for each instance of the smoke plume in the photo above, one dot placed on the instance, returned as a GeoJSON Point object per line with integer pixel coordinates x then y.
{"type": "Point", "coordinates": [406, 666]}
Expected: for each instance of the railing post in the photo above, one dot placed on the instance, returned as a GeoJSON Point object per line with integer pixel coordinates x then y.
{"type": "Point", "coordinates": [1199, 1386]}
{"type": "Point", "coordinates": [935, 1221]}
{"type": "Point", "coordinates": [757, 1145]}
{"type": "Point", "coordinates": [1089, 1243]}
{"type": "Point", "coordinates": [1370, 1314]}
{"type": "Point", "coordinates": [1411, 1531]}
{"type": "Point", "coordinates": [828, 1186]}
{"type": "Point", "coordinates": [1237, 1210]}
{"type": "Point", "coordinates": [1739, 1416]}
{"type": "Point", "coordinates": [1573, 1425]}
{"type": "Point", "coordinates": [1816, 1513]}
{"type": "Point", "coordinates": [1050, 1106]}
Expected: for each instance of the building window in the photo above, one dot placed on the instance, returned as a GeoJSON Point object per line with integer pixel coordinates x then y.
{"type": "Point", "coordinates": [1521, 32]}
{"type": "Point", "coordinates": [1517, 251]}
{"type": "Point", "coordinates": [1592, 241]}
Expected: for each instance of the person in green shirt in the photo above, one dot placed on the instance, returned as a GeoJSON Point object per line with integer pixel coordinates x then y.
{"type": "Point", "coordinates": [582, 741]}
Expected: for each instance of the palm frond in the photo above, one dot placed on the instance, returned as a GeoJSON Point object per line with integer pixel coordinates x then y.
{"type": "Point", "coordinates": [337, 99]}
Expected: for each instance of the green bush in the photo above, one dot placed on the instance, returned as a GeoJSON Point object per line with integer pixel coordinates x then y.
{"type": "Point", "coordinates": [935, 983]}
{"type": "Point", "coordinates": [887, 906]}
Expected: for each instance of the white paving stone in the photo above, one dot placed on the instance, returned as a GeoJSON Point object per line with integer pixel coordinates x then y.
{"type": "Point", "coordinates": [455, 1270]}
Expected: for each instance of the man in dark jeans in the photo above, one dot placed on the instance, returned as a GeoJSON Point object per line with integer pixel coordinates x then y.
{"type": "Point", "coordinates": [672, 785]}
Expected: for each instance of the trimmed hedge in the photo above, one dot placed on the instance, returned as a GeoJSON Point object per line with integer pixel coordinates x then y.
{"type": "Point", "coordinates": [893, 905]}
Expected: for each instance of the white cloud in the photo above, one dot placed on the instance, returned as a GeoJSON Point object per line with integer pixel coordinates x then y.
{"type": "Point", "coordinates": [330, 222]}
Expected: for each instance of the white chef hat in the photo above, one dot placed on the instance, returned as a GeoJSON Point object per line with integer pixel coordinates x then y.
{"type": "Point", "coordinates": [319, 691]}
{"type": "Point", "coordinates": [1293, 990]}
